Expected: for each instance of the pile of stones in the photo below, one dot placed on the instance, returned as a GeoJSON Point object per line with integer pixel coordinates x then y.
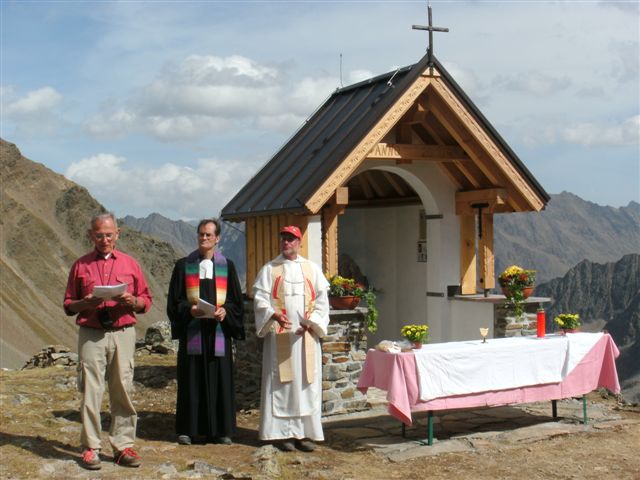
{"type": "Point", "coordinates": [52, 355]}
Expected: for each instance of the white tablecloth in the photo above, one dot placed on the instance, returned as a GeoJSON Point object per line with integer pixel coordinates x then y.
{"type": "Point", "coordinates": [459, 368]}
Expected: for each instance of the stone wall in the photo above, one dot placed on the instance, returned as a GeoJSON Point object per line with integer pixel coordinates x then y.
{"type": "Point", "coordinates": [343, 353]}
{"type": "Point", "coordinates": [344, 350]}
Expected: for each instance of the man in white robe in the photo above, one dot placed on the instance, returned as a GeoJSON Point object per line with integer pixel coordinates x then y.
{"type": "Point", "coordinates": [292, 313]}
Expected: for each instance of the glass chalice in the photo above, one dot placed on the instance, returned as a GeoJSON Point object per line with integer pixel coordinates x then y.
{"type": "Point", "coordinates": [484, 332]}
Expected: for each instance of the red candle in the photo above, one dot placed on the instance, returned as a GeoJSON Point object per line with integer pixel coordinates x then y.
{"type": "Point", "coordinates": [541, 322]}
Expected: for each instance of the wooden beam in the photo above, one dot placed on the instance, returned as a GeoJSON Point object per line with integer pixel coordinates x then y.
{"type": "Point", "coordinates": [397, 186]}
{"type": "Point", "coordinates": [342, 196]}
{"type": "Point", "coordinates": [366, 188]}
{"type": "Point", "coordinates": [376, 186]}
{"type": "Point", "coordinates": [386, 202]}
{"type": "Point", "coordinates": [391, 151]}
{"type": "Point", "coordinates": [473, 174]}
{"type": "Point", "coordinates": [330, 240]}
{"type": "Point", "coordinates": [495, 153]}
{"type": "Point", "coordinates": [370, 140]}
{"type": "Point", "coordinates": [454, 174]}
{"type": "Point", "coordinates": [467, 254]}
{"type": "Point", "coordinates": [490, 197]}
{"type": "Point", "coordinates": [485, 251]}
{"type": "Point", "coordinates": [404, 133]}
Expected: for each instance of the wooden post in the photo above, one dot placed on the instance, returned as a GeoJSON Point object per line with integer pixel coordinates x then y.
{"type": "Point", "coordinates": [468, 254]}
{"type": "Point", "coordinates": [485, 249]}
{"type": "Point", "coordinates": [330, 240]}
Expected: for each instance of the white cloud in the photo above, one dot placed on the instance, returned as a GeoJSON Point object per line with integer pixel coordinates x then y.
{"type": "Point", "coordinates": [35, 102]}
{"type": "Point", "coordinates": [98, 171]}
{"type": "Point", "coordinates": [625, 133]}
{"type": "Point", "coordinates": [208, 94]}
{"type": "Point", "coordinates": [111, 124]}
{"type": "Point", "coordinates": [181, 191]}
{"type": "Point", "coordinates": [532, 82]}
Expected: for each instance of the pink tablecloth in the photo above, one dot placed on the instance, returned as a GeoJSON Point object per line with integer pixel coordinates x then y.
{"type": "Point", "coordinates": [397, 374]}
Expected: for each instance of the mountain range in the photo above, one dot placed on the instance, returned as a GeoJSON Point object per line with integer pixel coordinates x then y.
{"type": "Point", "coordinates": [606, 296]}
{"type": "Point", "coordinates": [182, 236]}
{"type": "Point", "coordinates": [44, 219]}
{"type": "Point", "coordinates": [586, 256]}
{"type": "Point", "coordinates": [568, 231]}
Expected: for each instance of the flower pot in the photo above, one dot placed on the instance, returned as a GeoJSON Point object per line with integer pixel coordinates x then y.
{"type": "Point", "coordinates": [526, 292]}
{"type": "Point", "coordinates": [417, 345]}
{"type": "Point", "coordinates": [344, 303]}
{"type": "Point", "coordinates": [570, 330]}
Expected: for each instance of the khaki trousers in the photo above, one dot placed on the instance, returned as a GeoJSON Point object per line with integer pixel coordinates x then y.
{"type": "Point", "coordinates": [107, 355]}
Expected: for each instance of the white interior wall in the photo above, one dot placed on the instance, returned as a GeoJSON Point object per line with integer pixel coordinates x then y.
{"type": "Point", "coordinates": [314, 239]}
{"type": "Point", "coordinates": [382, 241]}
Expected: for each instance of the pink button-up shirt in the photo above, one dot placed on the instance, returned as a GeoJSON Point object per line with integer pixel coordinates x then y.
{"type": "Point", "coordinates": [93, 269]}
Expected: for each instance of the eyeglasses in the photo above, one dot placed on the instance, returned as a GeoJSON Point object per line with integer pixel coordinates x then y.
{"type": "Point", "coordinates": [289, 239]}
{"type": "Point", "coordinates": [100, 236]}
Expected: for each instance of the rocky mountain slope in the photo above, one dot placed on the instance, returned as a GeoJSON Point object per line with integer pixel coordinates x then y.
{"type": "Point", "coordinates": [605, 294]}
{"type": "Point", "coordinates": [43, 221]}
{"type": "Point", "coordinates": [568, 231]}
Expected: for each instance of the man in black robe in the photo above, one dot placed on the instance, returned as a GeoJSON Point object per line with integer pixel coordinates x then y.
{"type": "Point", "coordinates": [205, 406]}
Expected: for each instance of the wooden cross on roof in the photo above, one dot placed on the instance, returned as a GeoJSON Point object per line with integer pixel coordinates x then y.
{"type": "Point", "coordinates": [430, 28]}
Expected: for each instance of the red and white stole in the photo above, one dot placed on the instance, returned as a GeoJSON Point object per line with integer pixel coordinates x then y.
{"type": "Point", "coordinates": [283, 345]}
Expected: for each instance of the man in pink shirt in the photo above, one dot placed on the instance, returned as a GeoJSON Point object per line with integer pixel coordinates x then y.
{"type": "Point", "coordinates": [106, 340]}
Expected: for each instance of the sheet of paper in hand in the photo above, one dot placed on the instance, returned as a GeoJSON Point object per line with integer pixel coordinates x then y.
{"type": "Point", "coordinates": [207, 308]}
{"type": "Point", "coordinates": [109, 291]}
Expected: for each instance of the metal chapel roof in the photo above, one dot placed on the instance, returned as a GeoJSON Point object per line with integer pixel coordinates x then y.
{"type": "Point", "coordinates": [298, 169]}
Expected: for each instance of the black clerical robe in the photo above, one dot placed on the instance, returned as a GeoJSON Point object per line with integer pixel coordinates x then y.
{"type": "Point", "coordinates": [205, 405]}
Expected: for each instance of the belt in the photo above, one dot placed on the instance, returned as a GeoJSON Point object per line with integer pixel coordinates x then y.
{"type": "Point", "coordinates": [118, 329]}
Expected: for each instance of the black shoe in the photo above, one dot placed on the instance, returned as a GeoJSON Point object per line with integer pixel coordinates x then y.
{"type": "Point", "coordinates": [285, 445]}
{"type": "Point", "coordinates": [305, 445]}
{"type": "Point", "coordinates": [184, 440]}
{"type": "Point", "coordinates": [223, 440]}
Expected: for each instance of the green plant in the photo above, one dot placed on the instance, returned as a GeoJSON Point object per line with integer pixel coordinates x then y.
{"type": "Point", "coordinates": [348, 287]}
{"type": "Point", "coordinates": [415, 333]}
{"type": "Point", "coordinates": [513, 281]}
{"type": "Point", "coordinates": [567, 321]}
{"type": "Point", "coordinates": [345, 287]}
{"type": "Point", "coordinates": [372, 311]}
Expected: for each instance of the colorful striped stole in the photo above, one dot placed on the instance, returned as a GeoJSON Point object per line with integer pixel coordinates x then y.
{"type": "Point", "coordinates": [192, 284]}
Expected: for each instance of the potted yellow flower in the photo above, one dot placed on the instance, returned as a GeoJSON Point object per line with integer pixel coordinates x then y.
{"type": "Point", "coordinates": [517, 285]}
{"type": "Point", "coordinates": [568, 322]}
{"type": "Point", "coordinates": [417, 334]}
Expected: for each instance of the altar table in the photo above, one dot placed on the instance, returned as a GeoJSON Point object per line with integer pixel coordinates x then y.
{"type": "Point", "coordinates": [398, 375]}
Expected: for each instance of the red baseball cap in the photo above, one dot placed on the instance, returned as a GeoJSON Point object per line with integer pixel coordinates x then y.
{"type": "Point", "coordinates": [293, 230]}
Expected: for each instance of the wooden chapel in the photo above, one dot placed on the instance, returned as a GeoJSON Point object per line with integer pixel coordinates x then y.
{"type": "Point", "coordinates": [405, 173]}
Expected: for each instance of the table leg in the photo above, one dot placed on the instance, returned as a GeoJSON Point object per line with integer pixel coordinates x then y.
{"type": "Point", "coordinates": [430, 428]}
{"type": "Point", "coordinates": [404, 430]}
{"type": "Point", "coordinates": [554, 409]}
{"type": "Point", "coordinates": [584, 410]}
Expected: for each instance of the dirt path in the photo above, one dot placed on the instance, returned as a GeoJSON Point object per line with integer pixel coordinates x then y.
{"type": "Point", "coordinates": [39, 438]}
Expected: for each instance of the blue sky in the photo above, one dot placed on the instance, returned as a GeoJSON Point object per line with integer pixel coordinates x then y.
{"type": "Point", "coordinates": [170, 107]}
